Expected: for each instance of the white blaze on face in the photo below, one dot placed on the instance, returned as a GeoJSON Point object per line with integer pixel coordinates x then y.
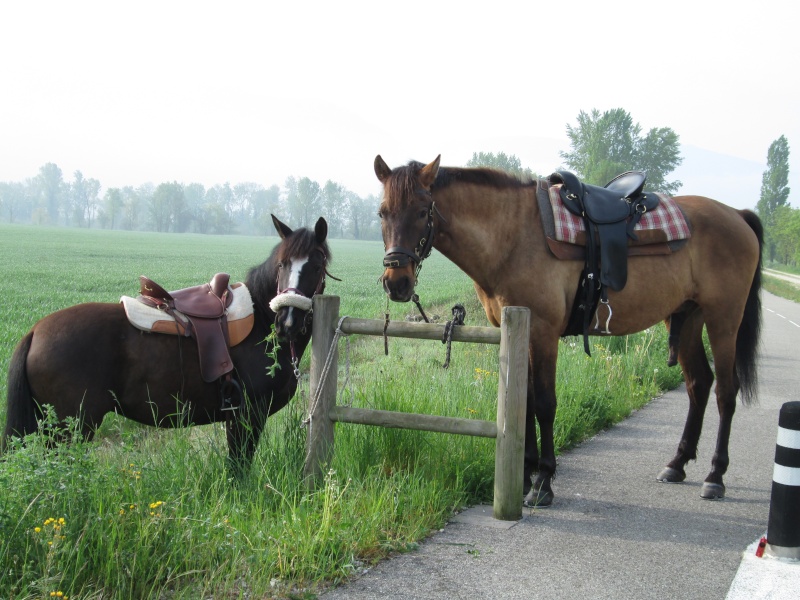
{"type": "Point", "coordinates": [294, 282]}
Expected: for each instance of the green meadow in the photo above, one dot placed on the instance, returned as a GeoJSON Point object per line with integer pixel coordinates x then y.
{"type": "Point", "coordinates": [147, 513]}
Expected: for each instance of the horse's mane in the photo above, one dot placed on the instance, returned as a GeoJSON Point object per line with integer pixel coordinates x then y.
{"type": "Point", "coordinates": [262, 280]}
{"type": "Point", "coordinates": [403, 181]}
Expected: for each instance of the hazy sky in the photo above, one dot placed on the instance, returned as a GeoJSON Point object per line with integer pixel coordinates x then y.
{"type": "Point", "coordinates": [232, 91]}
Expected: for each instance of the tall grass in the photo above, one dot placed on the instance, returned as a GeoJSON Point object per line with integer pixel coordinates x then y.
{"type": "Point", "coordinates": [146, 513]}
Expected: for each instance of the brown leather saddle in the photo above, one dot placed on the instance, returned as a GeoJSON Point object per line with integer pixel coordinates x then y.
{"type": "Point", "coordinates": [201, 311]}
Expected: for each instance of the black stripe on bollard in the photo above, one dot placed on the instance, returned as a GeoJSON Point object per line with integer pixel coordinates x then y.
{"type": "Point", "coordinates": [783, 530]}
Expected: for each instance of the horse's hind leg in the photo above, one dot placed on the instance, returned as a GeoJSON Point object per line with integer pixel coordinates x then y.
{"type": "Point", "coordinates": [723, 346]}
{"type": "Point", "coordinates": [699, 377]}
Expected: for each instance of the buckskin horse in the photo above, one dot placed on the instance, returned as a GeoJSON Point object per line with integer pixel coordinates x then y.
{"type": "Point", "coordinates": [489, 224]}
{"type": "Point", "coordinates": [89, 360]}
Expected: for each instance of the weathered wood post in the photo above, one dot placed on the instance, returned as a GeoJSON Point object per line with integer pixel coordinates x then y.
{"type": "Point", "coordinates": [512, 392]}
{"type": "Point", "coordinates": [323, 385]}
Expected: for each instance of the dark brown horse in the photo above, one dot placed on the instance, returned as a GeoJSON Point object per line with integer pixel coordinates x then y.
{"type": "Point", "coordinates": [489, 224]}
{"type": "Point", "coordinates": [88, 360]}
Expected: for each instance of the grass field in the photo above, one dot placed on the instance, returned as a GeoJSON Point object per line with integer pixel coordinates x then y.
{"type": "Point", "coordinates": [146, 513]}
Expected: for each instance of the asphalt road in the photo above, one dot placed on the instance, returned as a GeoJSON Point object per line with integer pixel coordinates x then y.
{"type": "Point", "coordinates": [614, 531]}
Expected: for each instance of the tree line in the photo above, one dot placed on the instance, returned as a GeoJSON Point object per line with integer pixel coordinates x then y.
{"type": "Point", "coordinates": [49, 199]}
{"type": "Point", "coordinates": [602, 145]}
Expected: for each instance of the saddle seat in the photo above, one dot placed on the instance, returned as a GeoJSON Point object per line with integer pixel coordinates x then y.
{"type": "Point", "coordinates": [207, 301]}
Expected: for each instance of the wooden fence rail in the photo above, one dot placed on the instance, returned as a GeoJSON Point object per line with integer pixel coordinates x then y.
{"type": "Point", "coordinates": [508, 430]}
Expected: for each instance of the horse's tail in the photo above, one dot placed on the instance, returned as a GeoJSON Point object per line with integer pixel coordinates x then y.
{"type": "Point", "coordinates": [20, 406]}
{"type": "Point", "coordinates": [748, 338]}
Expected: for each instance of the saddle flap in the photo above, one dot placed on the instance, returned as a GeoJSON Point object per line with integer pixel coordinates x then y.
{"type": "Point", "coordinates": [212, 347]}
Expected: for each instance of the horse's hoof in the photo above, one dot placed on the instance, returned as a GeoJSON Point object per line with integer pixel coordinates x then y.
{"type": "Point", "coordinates": [712, 491]}
{"type": "Point", "coordinates": [670, 475]}
{"type": "Point", "coordinates": [538, 498]}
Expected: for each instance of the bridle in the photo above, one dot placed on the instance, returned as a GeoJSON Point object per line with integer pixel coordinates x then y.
{"type": "Point", "coordinates": [397, 256]}
{"type": "Point", "coordinates": [295, 298]}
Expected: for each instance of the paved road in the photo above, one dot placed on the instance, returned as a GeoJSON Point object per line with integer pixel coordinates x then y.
{"type": "Point", "coordinates": [795, 279]}
{"type": "Point", "coordinates": [614, 532]}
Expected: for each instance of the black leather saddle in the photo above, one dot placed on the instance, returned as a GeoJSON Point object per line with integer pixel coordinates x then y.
{"type": "Point", "coordinates": [610, 214]}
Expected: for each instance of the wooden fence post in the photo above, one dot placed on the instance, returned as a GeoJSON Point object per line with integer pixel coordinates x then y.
{"type": "Point", "coordinates": [512, 392]}
{"type": "Point", "coordinates": [322, 394]}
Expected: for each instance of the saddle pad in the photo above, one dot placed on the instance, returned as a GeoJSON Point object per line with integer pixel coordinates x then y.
{"type": "Point", "coordinates": [151, 319]}
{"type": "Point", "coordinates": [667, 218]}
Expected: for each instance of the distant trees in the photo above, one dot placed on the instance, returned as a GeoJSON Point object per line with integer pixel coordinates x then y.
{"type": "Point", "coordinates": [605, 145]}
{"type": "Point", "coordinates": [47, 199]}
{"type": "Point", "coordinates": [502, 161]}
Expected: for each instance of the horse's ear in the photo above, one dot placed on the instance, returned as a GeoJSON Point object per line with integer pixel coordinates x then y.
{"type": "Point", "coordinates": [321, 230]}
{"type": "Point", "coordinates": [427, 174]}
{"type": "Point", "coordinates": [283, 230]}
{"type": "Point", "coordinates": [382, 170]}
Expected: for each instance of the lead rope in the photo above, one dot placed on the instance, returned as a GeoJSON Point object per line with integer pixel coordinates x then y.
{"type": "Point", "coordinates": [459, 313]}
{"type": "Point", "coordinates": [324, 374]}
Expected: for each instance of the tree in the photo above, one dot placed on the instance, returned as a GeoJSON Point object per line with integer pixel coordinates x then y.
{"type": "Point", "coordinates": [774, 190]}
{"type": "Point", "coordinates": [363, 216]}
{"type": "Point", "coordinates": [785, 235]}
{"type": "Point", "coordinates": [168, 208]}
{"type": "Point", "coordinates": [112, 206]}
{"type": "Point", "coordinates": [605, 145]}
{"type": "Point", "coordinates": [304, 201]}
{"type": "Point", "coordinates": [51, 186]}
{"type": "Point", "coordinates": [334, 206]}
{"type": "Point", "coordinates": [265, 203]}
{"type": "Point", "coordinates": [133, 200]}
{"type": "Point", "coordinates": [14, 200]}
{"type": "Point", "coordinates": [502, 161]}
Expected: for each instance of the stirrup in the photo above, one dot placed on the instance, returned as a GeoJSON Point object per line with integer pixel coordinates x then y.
{"type": "Point", "coordinates": [230, 394]}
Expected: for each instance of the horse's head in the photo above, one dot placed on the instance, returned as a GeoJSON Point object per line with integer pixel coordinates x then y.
{"type": "Point", "coordinates": [407, 223]}
{"type": "Point", "coordinates": [301, 260]}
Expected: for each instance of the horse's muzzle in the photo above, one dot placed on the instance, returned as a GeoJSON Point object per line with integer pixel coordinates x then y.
{"type": "Point", "coordinates": [290, 323]}
{"type": "Point", "coordinates": [399, 283]}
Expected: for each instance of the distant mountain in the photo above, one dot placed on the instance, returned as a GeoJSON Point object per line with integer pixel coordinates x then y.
{"type": "Point", "coordinates": [734, 181]}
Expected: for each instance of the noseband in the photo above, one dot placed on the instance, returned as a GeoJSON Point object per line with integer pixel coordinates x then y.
{"type": "Point", "coordinates": [294, 297]}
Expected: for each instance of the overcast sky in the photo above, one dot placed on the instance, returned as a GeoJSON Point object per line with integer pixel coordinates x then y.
{"type": "Point", "coordinates": [211, 92]}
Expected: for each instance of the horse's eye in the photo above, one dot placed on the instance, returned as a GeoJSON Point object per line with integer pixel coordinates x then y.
{"type": "Point", "coordinates": [280, 265]}
{"type": "Point", "coordinates": [423, 214]}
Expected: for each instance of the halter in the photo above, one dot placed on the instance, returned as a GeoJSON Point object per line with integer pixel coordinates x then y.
{"type": "Point", "coordinates": [397, 256]}
{"type": "Point", "coordinates": [295, 298]}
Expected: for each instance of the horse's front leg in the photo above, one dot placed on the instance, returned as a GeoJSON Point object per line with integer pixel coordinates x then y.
{"type": "Point", "coordinates": [244, 427]}
{"type": "Point", "coordinates": [541, 408]}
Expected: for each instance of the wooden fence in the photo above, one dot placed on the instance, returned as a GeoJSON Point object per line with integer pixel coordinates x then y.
{"type": "Point", "coordinates": [509, 429]}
